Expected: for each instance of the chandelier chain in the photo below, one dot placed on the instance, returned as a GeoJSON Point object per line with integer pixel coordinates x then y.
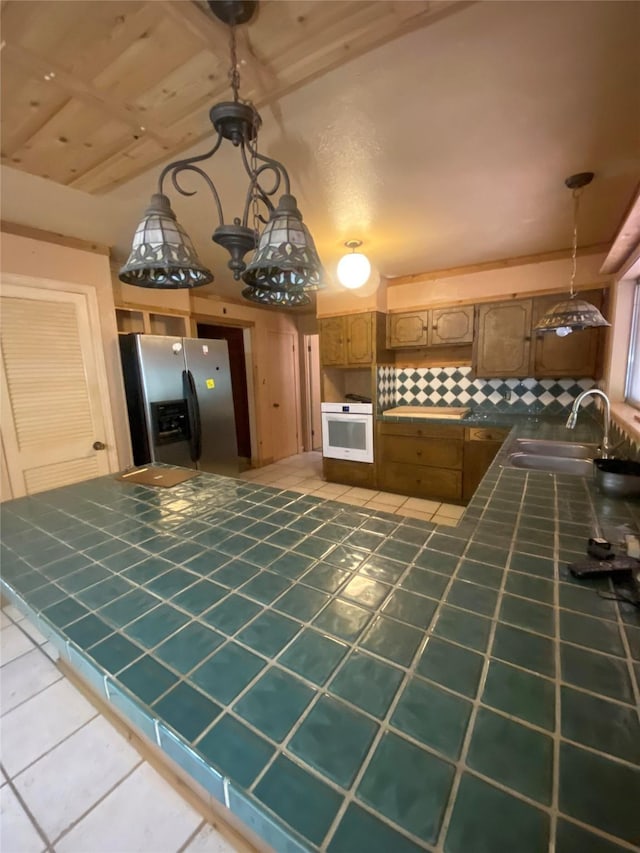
{"type": "Point", "coordinates": [234, 74]}
{"type": "Point", "coordinates": [574, 248]}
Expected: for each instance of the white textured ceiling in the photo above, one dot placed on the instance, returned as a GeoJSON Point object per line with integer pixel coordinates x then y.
{"type": "Point", "coordinates": [446, 147]}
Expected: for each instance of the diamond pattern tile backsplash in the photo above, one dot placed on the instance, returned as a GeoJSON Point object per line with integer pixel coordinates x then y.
{"type": "Point", "coordinates": [454, 386]}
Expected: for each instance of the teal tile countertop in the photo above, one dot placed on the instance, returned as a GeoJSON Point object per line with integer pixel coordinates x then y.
{"type": "Point", "coordinates": [348, 680]}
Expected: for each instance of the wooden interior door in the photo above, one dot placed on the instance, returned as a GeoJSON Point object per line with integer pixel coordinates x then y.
{"type": "Point", "coordinates": [56, 417]}
{"type": "Point", "coordinates": [283, 395]}
{"type": "Point", "coordinates": [234, 336]}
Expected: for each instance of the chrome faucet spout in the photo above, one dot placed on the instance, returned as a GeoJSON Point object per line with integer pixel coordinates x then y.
{"type": "Point", "coordinates": [573, 416]}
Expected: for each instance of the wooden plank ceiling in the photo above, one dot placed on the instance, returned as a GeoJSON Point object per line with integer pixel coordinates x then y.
{"type": "Point", "coordinates": [94, 92]}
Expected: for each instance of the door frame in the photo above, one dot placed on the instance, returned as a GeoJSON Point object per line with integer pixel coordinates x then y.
{"type": "Point", "coordinates": [312, 380]}
{"type": "Point", "coordinates": [33, 283]}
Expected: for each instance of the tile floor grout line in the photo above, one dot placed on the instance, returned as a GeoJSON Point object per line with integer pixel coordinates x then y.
{"type": "Point", "coordinates": [25, 808]}
{"type": "Point", "coordinates": [183, 847]}
{"type": "Point", "coordinates": [71, 826]}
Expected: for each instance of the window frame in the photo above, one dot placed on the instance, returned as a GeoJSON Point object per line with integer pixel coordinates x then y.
{"type": "Point", "coordinates": [632, 379]}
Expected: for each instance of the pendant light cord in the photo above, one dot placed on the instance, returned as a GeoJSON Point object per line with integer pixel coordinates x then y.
{"type": "Point", "coordinates": [574, 251]}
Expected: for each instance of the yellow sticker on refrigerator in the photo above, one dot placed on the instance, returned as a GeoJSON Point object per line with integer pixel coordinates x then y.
{"type": "Point", "coordinates": [211, 383]}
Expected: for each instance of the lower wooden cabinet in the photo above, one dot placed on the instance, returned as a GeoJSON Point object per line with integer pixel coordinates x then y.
{"type": "Point", "coordinates": [349, 473]}
{"type": "Point", "coordinates": [433, 461]}
{"type": "Point", "coordinates": [421, 460]}
{"type": "Point", "coordinates": [480, 448]}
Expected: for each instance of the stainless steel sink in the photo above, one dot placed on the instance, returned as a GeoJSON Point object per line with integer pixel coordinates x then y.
{"type": "Point", "coordinates": [555, 464]}
{"type": "Point", "coordinates": [563, 449]}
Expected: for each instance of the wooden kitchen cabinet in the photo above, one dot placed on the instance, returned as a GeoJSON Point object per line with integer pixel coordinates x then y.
{"type": "Point", "coordinates": [450, 326]}
{"type": "Point", "coordinates": [502, 340]}
{"type": "Point", "coordinates": [410, 329]}
{"type": "Point", "coordinates": [576, 355]}
{"type": "Point", "coordinates": [480, 448]}
{"type": "Point", "coordinates": [431, 328]}
{"type": "Point", "coordinates": [506, 343]}
{"type": "Point", "coordinates": [421, 460]}
{"type": "Point", "coordinates": [333, 340]}
{"type": "Point", "coordinates": [352, 340]}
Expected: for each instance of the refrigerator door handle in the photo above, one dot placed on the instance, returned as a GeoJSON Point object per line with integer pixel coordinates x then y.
{"type": "Point", "coordinates": [193, 411]}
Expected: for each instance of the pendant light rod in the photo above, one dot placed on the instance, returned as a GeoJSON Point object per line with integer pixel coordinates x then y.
{"type": "Point", "coordinates": [572, 314]}
{"type": "Point", "coordinates": [576, 183]}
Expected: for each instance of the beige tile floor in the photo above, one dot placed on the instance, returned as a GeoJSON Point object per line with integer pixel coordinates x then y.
{"type": "Point", "coordinates": [69, 782]}
{"type": "Point", "coordinates": [303, 473]}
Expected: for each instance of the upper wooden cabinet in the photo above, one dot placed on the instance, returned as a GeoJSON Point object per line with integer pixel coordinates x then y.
{"type": "Point", "coordinates": [333, 340]}
{"type": "Point", "coordinates": [576, 355]}
{"type": "Point", "coordinates": [506, 343]}
{"type": "Point", "coordinates": [350, 340]}
{"type": "Point", "coordinates": [410, 329]}
{"type": "Point", "coordinates": [451, 325]}
{"type": "Point", "coordinates": [502, 343]}
{"type": "Point", "coordinates": [432, 328]}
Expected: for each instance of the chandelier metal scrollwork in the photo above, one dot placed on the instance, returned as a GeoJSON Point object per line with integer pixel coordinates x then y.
{"type": "Point", "coordinates": [285, 265]}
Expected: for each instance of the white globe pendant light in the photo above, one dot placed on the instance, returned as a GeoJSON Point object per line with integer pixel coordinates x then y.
{"type": "Point", "coordinates": [354, 269]}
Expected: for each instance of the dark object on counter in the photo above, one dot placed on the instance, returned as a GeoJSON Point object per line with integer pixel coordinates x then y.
{"type": "Point", "coordinates": [594, 568]}
{"type": "Point", "coordinates": [600, 549]}
{"type": "Point", "coordinates": [619, 478]}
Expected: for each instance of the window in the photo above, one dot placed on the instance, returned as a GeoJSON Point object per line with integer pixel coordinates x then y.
{"type": "Point", "coordinates": [632, 390]}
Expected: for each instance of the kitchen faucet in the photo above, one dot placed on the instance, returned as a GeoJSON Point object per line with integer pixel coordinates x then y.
{"type": "Point", "coordinates": [573, 417]}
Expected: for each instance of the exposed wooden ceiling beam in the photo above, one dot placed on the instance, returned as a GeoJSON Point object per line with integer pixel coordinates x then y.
{"type": "Point", "coordinates": [71, 85]}
{"type": "Point", "coordinates": [559, 254]}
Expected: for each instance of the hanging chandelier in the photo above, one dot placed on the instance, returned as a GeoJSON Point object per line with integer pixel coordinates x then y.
{"type": "Point", "coordinates": [572, 314]}
{"type": "Point", "coordinates": [285, 265]}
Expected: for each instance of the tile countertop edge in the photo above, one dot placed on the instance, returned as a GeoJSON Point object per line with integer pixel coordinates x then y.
{"type": "Point", "coordinates": [157, 732]}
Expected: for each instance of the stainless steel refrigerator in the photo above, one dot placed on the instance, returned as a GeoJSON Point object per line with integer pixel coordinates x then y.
{"type": "Point", "coordinates": [180, 402]}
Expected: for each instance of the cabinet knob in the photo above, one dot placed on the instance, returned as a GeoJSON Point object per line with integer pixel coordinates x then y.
{"type": "Point", "coordinates": [418, 453]}
{"type": "Point", "coordinates": [99, 445]}
{"type": "Point", "coordinates": [276, 405]}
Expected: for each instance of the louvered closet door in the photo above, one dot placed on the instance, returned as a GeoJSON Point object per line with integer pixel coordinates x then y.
{"type": "Point", "coordinates": [52, 410]}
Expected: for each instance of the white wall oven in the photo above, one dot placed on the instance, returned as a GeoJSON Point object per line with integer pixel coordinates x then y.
{"type": "Point", "coordinates": [347, 431]}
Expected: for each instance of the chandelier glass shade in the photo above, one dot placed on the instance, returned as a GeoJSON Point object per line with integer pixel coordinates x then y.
{"type": "Point", "coordinates": [285, 260]}
{"type": "Point", "coordinates": [353, 269]}
{"type": "Point", "coordinates": [572, 314]}
{"type": "Point", "coordinates": [162, 254]}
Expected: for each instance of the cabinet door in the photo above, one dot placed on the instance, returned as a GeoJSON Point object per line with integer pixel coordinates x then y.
{"type": "Point", "coordinates": [332, 340]}
{"type": "Point", "coordinates": [478, 455]}
{"type": "Point", "coordinates": [360, 338]}
{"type": "Point", "coordinates": [451, 325]}
{"type": "Point", "coordinates": [502, 343]}
{"type": "Point", "coordinates": [575, 355]}
{"type": "Point", "coordinates": [408, 330]}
